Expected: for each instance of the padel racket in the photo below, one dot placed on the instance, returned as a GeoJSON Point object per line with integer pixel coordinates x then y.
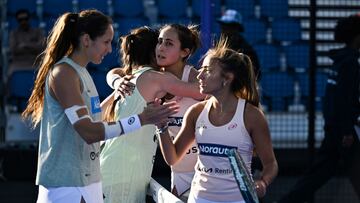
{"type": "Point", "coordinates": [243, 178]}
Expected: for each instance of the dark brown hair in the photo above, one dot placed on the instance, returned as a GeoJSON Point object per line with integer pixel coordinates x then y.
{"type": "Point", "coordinates": [189, 37]}
{"type": "Point", "coordinates": [137, 49]}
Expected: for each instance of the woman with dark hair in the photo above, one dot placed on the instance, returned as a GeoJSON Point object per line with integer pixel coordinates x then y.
{"type": "Point", "coordinates": [175, 44]}
{"type": "Point", "coordinates": [341, 112]}
{"type": "Point", "coordinates": [66, 104]}
{"type": "Point", "coordinates": [127, 162]}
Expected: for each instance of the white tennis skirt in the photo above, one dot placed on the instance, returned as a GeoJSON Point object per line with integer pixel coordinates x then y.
{"type": "Point", "coordinates": [91, 194]}
{"type": "Point", "coordinates": [193, 199]}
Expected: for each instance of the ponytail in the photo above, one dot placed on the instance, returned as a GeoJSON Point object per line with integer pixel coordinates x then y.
{"type": "Point", "coordinates": [63, 39]}
{"type": "Point", "coordinates": [250, 89]}
{"type": "Point", "coordinates": [59, 43]}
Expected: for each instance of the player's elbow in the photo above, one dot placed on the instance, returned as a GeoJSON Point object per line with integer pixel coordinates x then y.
{"type": "Point", "coordinates": [273, 167]}
{"type": "Point", "coordinates": [90, 140]}
{"type": "Point", "coordinates": [87, 134]}
{"type": "Point", "coordinates": [88, 137]}
{"type": "Point", "coordinates": [170, 161]}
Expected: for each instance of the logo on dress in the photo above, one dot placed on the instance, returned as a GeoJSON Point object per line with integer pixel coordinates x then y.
{"type": "Point", "coordinates": [94, 155]}
{"type": "Point", "coordinates": [232, 126]}
{"type": "Point", "coordinates": [209, 149]}
{"type": "Point", "coordinates": [201, 126]}
{"type": "Point", "coordinates": [175, 121]}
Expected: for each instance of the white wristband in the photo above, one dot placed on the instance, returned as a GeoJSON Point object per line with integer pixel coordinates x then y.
{"type": "Point", "coordinates": [112, 129]}
{"type": "Point", "coordinates": [130, 123]}
{"type": "Point", "coordinates": [111, 78]}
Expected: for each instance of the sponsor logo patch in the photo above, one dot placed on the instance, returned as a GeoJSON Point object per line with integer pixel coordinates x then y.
{"type": "Point", "coordinates": [220, 171]}
{"type": "Point", "coordinates": [131, 120]}
{"type": "Point", "coordinates": [175, 121]}
{"type": "Point", "coordinates": [207, 149]}
{"type": "Point", "coordinates": [95, 105]}
{"type": "Point", "coordinates": [94, 155]}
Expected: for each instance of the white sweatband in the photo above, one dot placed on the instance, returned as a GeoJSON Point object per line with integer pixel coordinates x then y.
{"type": "Point", "coordinates": [72, 114]}
{"type": "Point", "coordinates": [111, 78]}
{"type": "Point", "coordinates": [130, 123]}
{"type": "Point", "coordinates": [112, 129]}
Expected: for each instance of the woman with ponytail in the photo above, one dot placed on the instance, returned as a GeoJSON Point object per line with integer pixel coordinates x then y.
{"type": "Point", "coordinates": [175, 44]}
{"type": "Point", "coordinates": [127, 162]}
{"type": "Point", "coordinates": [231, 118]}
{"type": "Point", "coordinates": [66, 104]}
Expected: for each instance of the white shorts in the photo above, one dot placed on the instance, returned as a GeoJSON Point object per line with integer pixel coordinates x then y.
{"type": "Point", "coordinates": [91, 194]}
{"type": "Point", "coordinates": [182, 181]}
{"type": "Point", "coordinates": [193, 199]}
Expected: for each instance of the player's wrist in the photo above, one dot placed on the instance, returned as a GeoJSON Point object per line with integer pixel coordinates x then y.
{"type": "Point", "coordinates": [116, 82]}
{"type": "Point", "coordinates": [111, 79]}
{"type": "Point", "coordinates": [131, 123]}
{"type": "Point", "coordinates": [162, 130]}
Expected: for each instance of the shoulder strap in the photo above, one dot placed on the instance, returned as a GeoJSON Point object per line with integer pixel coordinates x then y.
{"type": "Point", "coordinates": [186, 73]}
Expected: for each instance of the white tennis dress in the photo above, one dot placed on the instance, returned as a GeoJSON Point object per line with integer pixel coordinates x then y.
{"type": "Point", "coordinates": [183, 171]}
{"type": "Point", "coordinates": [214, 180]}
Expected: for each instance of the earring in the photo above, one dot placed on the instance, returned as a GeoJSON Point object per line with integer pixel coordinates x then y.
{"type": "Point", "coordinates": [224, 83]}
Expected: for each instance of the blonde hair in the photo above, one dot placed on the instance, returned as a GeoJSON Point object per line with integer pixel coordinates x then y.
{"type": "Point", "coordinates": [244, 84]}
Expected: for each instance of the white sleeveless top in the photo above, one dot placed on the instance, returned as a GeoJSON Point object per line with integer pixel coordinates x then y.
{"type": "Point", "coordinates": [126, 162]}
{"type": "Point", "coordinates": [187, 163]}
{"type": "Point", "coordinates": [65, 159]}
{"type": "Point", "coordinates": [214, 179]}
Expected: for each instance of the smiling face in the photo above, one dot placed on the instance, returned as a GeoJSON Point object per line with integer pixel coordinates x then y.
{"type": "Point", "coordinates": [210, 77]}
{"type": "Point", "coordinates": [168, 49]}
{"type": "Point", "coordinates": [98, 48]}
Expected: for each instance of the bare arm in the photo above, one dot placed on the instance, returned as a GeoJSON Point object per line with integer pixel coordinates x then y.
{"type": "Point", "coordinates": [166, 83]}
{"type": "Point", "coordinates": [180, 88]}
{"type": "Point", "coordinates": [66, 88]}
{"type": "Point", "coordinates": [257, 126]}
{"type": "Point", "coordinates": [174, 151]}
{"type": "Point", "coordinates": [169, 83]}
